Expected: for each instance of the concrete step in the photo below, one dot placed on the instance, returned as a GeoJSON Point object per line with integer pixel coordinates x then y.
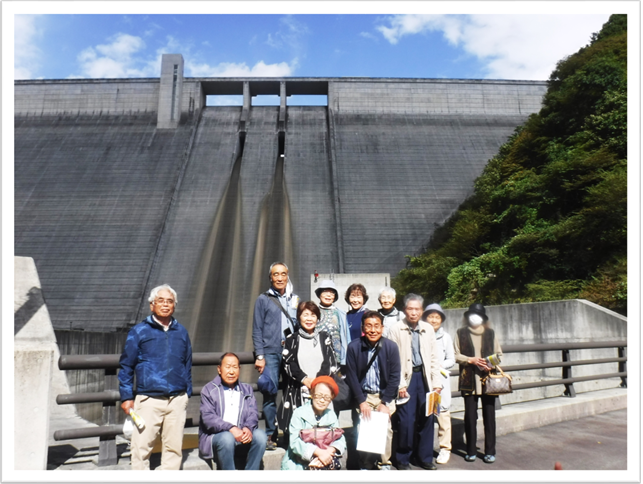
{"type": "Point", "coordinates": [192, 462]}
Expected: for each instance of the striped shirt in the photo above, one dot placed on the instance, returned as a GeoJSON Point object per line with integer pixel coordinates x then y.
{"type": "Point", "coordinates": [371, 383]}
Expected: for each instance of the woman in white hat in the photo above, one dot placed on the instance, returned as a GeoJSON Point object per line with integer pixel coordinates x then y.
{"type": "Point", "coordinates": [434, 315]}
{"type": "Point", "coordinates": [333, 319]}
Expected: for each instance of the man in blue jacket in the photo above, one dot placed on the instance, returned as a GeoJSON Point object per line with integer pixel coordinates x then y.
{"type": "Point", "coordinates": [229, 419]}
{"type": "Point", "coordinates": [158, 351]}
{"type": "Point", "coordinates": [274, 318]}
{"type": "Point", "coordinates": [373, 375]}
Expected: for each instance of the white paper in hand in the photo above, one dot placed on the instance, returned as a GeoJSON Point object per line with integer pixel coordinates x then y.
{"type": "Point", "coordinates": [372, 433]}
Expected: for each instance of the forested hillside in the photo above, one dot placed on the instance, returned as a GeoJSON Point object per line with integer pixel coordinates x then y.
{"type": "Point", "coordinates": [548, 217]}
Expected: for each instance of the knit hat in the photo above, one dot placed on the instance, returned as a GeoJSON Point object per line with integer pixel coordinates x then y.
{"type": "Point", "coordinates": [477, 308]}
{"type": "Point", "coordinates": [328, 380]}
{"type": "Point", "coordinates": [433, 308]}
{"type": "Point", "coordinates": [325, 285]}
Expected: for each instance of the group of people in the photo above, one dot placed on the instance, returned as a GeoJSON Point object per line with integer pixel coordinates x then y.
{"type": "Point", "coordinates": [328, 360]}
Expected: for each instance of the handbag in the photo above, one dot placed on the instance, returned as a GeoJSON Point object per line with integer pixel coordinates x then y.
{"type": "Point", "coordinates": [322, 437]}
{"type": "Point", "coordinates": [496, 383]}
{"type": "Point", "coordinates": [344, 398]}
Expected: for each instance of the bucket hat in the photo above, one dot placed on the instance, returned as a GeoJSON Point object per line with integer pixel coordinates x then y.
{"type": "Point", "coordinates": [477, 308]}
{"type": "Point", "coordinates": [327, 284]}
{"type": "Point", "coordinates": [433, 308]}
{"type": "Point", "coordinates": [266, 385]}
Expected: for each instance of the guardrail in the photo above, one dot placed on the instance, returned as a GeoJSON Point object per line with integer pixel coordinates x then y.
{"type": "Point", "coordinates": [110, 396]}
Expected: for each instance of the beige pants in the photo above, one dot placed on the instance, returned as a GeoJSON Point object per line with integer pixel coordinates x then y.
{"type": "Point", "coordinates": [444, 430]}
{"type": "Point", "coordinates": [366, 459]}
{"type": "Point", "coordinates": [164, 416]}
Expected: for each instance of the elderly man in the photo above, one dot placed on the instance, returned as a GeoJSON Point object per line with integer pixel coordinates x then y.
{"type": "Point", "coordinates": [229, 419]}
{"type": "Point", "coordinates": [159, 352]}
{"type": "Point", "coordinates": [373, 374]}
{"type": "Point", "coordinates": [275, 317]}
{"type": "Point", "coordinates": [420, 374]}
{"type": "Point", "coordinates": [388, 310]}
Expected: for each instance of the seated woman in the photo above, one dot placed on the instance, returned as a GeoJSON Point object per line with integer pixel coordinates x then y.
{"type": "Point", "coordinates": [307, 354]}
{"type": "Point", "coordinates": [304, 454]}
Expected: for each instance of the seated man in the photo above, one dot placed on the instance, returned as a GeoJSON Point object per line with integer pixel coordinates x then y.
{"type": "Point", "coordinates": [229, 419]}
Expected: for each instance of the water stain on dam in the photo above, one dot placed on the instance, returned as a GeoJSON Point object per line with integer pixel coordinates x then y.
{"type": "Point", "coordinates": [231, 277]}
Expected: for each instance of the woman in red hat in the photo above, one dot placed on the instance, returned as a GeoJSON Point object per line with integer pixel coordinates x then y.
{"type": "Point", "coordinates": [316, 441]}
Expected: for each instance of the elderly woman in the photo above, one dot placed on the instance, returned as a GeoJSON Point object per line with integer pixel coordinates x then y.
{"type": "Point", "coordinates": [306, 453]}
{"type": "Point", "coordinates": [307, 354]}
{"type": "Point", "coordinates": [388, 310]}
{"type": "Point", "coordinates": [356, 298]}
{"type": "Point", "coordinates": [434, 315]}
{"type": "Point", "coordinates": [333, 319]}
{"type": "Point", "coordinates": [477, 351]}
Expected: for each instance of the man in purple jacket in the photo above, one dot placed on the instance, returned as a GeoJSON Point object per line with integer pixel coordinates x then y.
{"type": "Point", "coordinates": [229, 419]}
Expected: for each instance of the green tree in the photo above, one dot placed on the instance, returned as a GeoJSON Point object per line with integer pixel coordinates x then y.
{"type": "Point", "coordinates": [548, 216]}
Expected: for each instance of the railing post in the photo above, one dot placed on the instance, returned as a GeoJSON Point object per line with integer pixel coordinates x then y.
{"type": "Point", "coordinates": [567, 373]}
{"type": "Point", "coordinates": [107, 455]}
{"type": "Point", "coordinates": [622, 365]}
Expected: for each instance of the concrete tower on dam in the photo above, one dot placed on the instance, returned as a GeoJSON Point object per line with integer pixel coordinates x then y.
{"type": "Point", "coordinates": [124, 184]}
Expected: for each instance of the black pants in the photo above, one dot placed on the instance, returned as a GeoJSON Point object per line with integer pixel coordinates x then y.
{"type": "Point", "coordinates": [488, 418]}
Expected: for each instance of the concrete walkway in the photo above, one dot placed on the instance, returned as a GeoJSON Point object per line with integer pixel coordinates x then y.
{"type": "Point", "coordinates": [588, 432]}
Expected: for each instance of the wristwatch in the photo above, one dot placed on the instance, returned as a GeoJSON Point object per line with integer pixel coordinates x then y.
{"type": "Point", "coordinates": [260, 357]}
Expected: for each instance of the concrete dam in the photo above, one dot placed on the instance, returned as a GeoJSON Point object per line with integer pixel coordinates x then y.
{"type": "Point", "coordinates": [124, 184]}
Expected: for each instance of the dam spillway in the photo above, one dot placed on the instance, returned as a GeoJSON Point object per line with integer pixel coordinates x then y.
{"type": "Point", "coordinates": [111, 204]}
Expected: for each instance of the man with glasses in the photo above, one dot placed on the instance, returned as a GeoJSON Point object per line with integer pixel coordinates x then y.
{"type": "Point", "coordinates": [373, 374]}
{"type": "Point", "coordinates": [159, 352]}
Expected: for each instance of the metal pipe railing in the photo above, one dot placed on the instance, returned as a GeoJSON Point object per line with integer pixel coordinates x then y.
{"type": "Point", "coordinates": [110, 396]}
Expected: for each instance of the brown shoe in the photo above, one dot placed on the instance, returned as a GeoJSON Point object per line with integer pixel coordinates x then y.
{"type": "Point", "coordinates": [270, 445]}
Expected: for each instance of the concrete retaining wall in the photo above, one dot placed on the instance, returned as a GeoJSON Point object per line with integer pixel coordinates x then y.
{"type": "Point", "coordinates": [37, 379]}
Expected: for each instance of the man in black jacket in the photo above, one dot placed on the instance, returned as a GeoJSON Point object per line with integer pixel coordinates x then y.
{"type": "Point", "coordinates": [373, 374]}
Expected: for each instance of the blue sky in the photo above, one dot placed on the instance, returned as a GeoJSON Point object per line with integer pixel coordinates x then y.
{"type": "Point", "coordinates": [483, 46]}
{"type": "Point", "coordinates": [461, 46]}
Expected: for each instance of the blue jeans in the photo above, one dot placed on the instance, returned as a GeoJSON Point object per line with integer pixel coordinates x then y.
{"type": "Point", "coordinates": [412, 420]}
{"type": "Point", "coordinates": [273, 367]}
{"type": "Point", "coordinates": [224, 447]}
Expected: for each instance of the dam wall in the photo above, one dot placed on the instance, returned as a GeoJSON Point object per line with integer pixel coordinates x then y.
{"type": "Point", "coordinates": [110, 205]}
{"type": "Point", "coordinates": [435, 96]}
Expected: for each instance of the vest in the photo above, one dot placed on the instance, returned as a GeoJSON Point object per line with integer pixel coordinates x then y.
{"type": "Point", "coordinates": [466, 382]}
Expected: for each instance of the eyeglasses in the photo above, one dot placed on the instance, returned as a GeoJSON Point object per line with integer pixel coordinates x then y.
{"type": "Point", "coordinates": [161, 301]}
{"type": "Point", "coordinates": [322, 398]}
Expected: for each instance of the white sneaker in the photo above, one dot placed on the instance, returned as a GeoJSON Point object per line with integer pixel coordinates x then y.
{"type": "Point", "coordinates": [443, 456]}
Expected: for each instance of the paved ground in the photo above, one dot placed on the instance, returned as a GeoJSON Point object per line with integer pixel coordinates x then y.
{"type": "Point", "coordinates": [597, 442]}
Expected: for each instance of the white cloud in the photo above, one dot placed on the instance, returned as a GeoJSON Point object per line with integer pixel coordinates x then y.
{"type": "Point", "coordinates": [123, 56]}
{"type": "Point", "coordinates": [231, 69]}
{"type": "Point", "coordinates": [512, 46]}
{"type": "Point", "coordinates": [368, 35]}
{"type": "Point", "coordinates": [116, 59]}
{"type": "Point", "coordinates": [290, 35]}
{"type": "Point", "coordinates": [27, 55]}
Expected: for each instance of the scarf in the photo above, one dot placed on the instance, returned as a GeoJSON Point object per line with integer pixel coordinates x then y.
{"type": "Point", "coordinates": [314, 336]}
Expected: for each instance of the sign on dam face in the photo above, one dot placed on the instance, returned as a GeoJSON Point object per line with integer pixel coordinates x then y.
{"type": "Point", "coordinates": [109, 205]}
